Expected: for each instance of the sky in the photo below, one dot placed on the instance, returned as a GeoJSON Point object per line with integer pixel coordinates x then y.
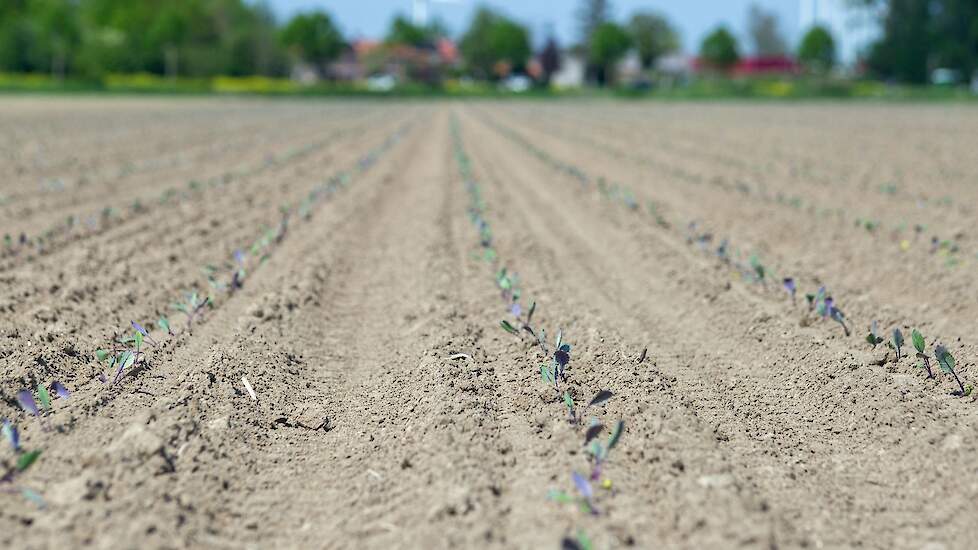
{"type": "Point", "coordinates": [693, 18]}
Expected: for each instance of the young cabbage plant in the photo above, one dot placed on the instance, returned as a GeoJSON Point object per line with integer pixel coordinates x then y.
{"type": "Point", "coordinates": [585, 498]}
{"type": "Point", "coordinates": [598, 452]}
{"type": "Point", "coordinates": [192, 306]}
{"type": "Point", "coordinates": [897, 343]}
{"type": "Point", "coordinates": [946, 362]}
{"type": "Point", "coordinates": [873, 337]}
{"type": "Point", "coordinates": [790, 287]}
{"type": "Point", "coordinates": [918, 344]}
{"type": "Point", "coordinates": [13, 469]}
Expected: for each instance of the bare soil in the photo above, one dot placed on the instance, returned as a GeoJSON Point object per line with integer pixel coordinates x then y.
{"type": "Point", "coordinates": [391, 410]}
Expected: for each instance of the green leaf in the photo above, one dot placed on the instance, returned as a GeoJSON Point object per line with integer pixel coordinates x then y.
{"type": "Point", "coordinates": [569, 402]}
{"type": "Point", "coordinates": [43, 396]}
{"type": "Point", "coordinates": [546, 374]}
{"type": "Point", "coordinates": [25, 460]}
{"type": "Point", "coordinates": [138, 339]}
{"type": "Point", "coordinates": [559, 496]}
{"type": "Point", "coordinates": [32, 496]}
{"type": "Point", "coordinates": [164, 324]}
{"type": "Point", "coordinates": [918, 340]}
{"type": "Point", "coordinates": [583, 541]}
{"type": "Point", "coordinates": [897, 338]}
{"type": "Point", "coordinates": [509, 328]}
{"type": "Point", "coordinates": [616, 434]}
{"type": "Point", "coordinates": [101, 354]}
{"type": "Point", "coordinates": [945, 359]}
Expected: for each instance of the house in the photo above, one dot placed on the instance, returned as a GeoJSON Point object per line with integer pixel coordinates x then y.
{"type": "Point", "coordinates": [572, 71]}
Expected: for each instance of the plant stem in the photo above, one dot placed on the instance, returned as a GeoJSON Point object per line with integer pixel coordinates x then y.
{"type": "Point", "coordinates": [958, 380]}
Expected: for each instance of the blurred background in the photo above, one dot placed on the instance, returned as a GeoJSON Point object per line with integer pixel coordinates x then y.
{"type": "Point", "coordinates": [672, 48]}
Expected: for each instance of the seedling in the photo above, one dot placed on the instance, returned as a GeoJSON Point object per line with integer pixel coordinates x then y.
{"type": "Point", "coordinates": [946, 361]}
{"type": "Point", "coordinates": [192, 306]}
{"type": "Point", "coordinates": [918, 344]}
{"type": "Point", "coordinates": [143, 333]}
{"type": "Point", "coordinates": [14, 468]}
{"type": "Point", "coordinates": [599, 453]}
{"type": "Point", "coordinates": [554, 373]}
{"type": "Point", "coordinates": [508, 327]}
{"type": "Point", "coordinates": [873, 337]}
{"type": "Point", "coordinates": [790, 287]}
{"type": "Point", "coordinates": [897, 342]}
{"type": "Point", "coordinates": [586, 494]}
{"type": "Point", "coordinates": [164, 324]}
{"type": "Point", "coordinates": [237, 280]}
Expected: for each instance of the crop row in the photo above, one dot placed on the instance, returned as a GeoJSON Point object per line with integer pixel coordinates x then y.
{"type": "Point", "coordinates": [131, 349]}
{"type": "Point", "coordinates": [905, 235]}
{"type": "Point", "coordinates": [107, 216]}
{"type": "Point", "coordinates": [518, 322]}
{"type": "Point", "coordinates": [747, 266]}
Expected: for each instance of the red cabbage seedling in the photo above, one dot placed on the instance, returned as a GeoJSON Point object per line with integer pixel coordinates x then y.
{"type": "Point", "coordinates": [143, 333]}
{"type": "Point", "coordinates": [873, 337]}
{"type": "Point", "coordinates": [790, 287]}
{"type": "Point", "coordinates": [599, 453]}
{"type": "Point", "coordinates": [192, 306]}
{"type": "Point", "coordinates": [918, 344]}
{"type": "Point", "coordinates": [897, 342]}
{"type": "Point", "coordinates": [946, 361]}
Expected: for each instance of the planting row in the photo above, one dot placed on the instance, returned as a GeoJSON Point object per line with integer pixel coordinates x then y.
{"type": "Point", "coordinates": [130, 351]}
{"type": "Point", "coordinates": [744, 262]}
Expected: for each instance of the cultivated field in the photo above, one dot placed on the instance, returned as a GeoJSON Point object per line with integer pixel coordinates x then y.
{"type": "Point", "coordinates": [342, 349]}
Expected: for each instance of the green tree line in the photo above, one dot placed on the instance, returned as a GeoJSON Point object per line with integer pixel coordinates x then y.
{"type": "Point", "coordinates": [193, 38]}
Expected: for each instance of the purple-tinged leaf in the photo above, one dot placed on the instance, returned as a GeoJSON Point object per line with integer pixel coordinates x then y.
{"type": "Point", "coordinates": [592, 432]}
{"type": "Point", "coordinates": [59, 389]}
{"type": "Point", "coordinates": [11, 434]}
{"type": "Point", "coordinates": [516, 310]}
{"type": "Point", "coordinates": [239, 257]}
{"type": "Point", "coordinates": [102, 378]}
{"type": "Point", "coordinates": [26, 400]}
{"type": "Point", "coordinates": [562, 357]}
{"type": "Point", "coordinates": [789, 285]}
{"type": "Point", "coordinates": [600, 399]}
{"type": "Point", "coordinates": [139, 328]}
{"type": "Point", "coordinates": [583, 485]}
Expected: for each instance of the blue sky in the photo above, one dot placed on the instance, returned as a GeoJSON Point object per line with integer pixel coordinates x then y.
{"type": "Point", "coordinates": [694, 18]}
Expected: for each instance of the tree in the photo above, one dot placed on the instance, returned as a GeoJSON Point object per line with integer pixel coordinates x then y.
{"type": "Point", "coordinates": [407, 33]}
{"type": "Point", "coordinates": [719, 49]}
{"type": "Point", "coordinates": [550, 60]}
{"type": "Point", "coordinates": [591, 15]}
{"type": "Point", "coordinates": [764, 33]}
{"type": "Point", "coordinates": [313, 38]}
{"type": "Point", "coordinates": [817, 49]}
{"type": "Point", "coordinates": [653, 37]}
{"type": "Point", "coordinates": [493, 41]}
{"type": "Point", "coordinates": [921, 35]}
{"type": "Point", "coordinates": [609, 44]}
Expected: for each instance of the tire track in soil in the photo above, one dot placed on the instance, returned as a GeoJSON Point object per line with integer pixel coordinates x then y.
{"type": "Point", "coordinates": [803, 438]}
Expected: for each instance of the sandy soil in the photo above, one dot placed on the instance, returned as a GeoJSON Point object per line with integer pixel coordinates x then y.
{"type": "Point", "coordinates": [391, 408]}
